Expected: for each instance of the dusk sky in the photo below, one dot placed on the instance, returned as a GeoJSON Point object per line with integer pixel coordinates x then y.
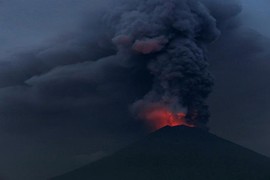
{"type": "Point", "coordinates": [64, 102]}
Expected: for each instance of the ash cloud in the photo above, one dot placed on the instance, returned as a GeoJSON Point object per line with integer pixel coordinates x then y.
{"type": "Point", "coordinates": [174, 35]}
{"type": "Point", "coordinates": [126, 50]}
{"type": "Point", "coordinates": [74, 94]}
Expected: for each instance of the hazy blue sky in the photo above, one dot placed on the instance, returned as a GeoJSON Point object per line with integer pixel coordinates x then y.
{"type": "Point", "coordinates": [257, 15]}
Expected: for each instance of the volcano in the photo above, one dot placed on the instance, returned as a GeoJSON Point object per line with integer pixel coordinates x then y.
{"type": "Point", "coordinates": [177, 153]}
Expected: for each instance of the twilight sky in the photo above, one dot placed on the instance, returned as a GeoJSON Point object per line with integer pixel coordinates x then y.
{"type": "Point", "coordinates": [60, 110]}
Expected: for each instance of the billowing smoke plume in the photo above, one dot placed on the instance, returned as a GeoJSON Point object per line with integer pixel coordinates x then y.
{"type": "Point", "coordinates": [144, 54]}
{"type": "Point", "coordinates": [170, 35]}
{"type": "Point", "coordinates": [77, 89]}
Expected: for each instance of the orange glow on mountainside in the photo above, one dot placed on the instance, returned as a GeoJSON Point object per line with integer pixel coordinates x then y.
{"type": "Point", "coordinates": [160, 117]}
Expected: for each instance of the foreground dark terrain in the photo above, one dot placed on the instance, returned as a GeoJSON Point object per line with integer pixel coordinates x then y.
{"type": "Point", "coordinates": [177, 153]}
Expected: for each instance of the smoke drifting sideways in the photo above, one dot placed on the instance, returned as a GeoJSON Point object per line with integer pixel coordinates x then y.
{"type": "Point", "coordinates": [136, 55]}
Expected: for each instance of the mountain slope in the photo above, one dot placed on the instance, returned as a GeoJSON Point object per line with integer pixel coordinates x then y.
{"type": "Point", "coordinates": [177, 153]}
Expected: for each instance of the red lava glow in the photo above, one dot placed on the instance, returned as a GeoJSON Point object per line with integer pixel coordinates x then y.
{"type": "Point", "coordinates": [161, 117]}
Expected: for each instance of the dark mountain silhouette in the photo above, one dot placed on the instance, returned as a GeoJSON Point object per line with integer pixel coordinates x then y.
{"type": "Point", "coordinates": [177, 153]}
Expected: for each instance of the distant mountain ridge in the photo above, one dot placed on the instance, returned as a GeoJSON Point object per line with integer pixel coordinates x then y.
{"type": "Point", "coordinates": [177, 153]}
